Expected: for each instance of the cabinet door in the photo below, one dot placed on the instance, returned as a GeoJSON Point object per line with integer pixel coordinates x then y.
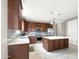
{"type": "Point", "coordinates": [14, 14]}
{"type": "Point", "coordinates": [32, 39]}
{"type": "Point", "coordinates": [20, 24]}
{"type": "Point", "coordinates": [61, 43]}
{"type": "Point", "coordinates": [66, 43]}
{"type": "Point", "coordinates": [43, 27]}
{"type": "Point", "coordinates": [25, 26]}
{"type": "Point", "coordinates": [49, 26]}
{"type": "Point", "coordinates": [31, 27]}
{"type": "Point", "coordinates": [45, 44]}
{"type": "Point", "coordinates": [51, 45]}
{"type": "Point", "coordinates": [20, 51]}
{"type": "Point", "coordinates": [57, 44]}
{"type": "Point", "coordinates": [20, 18]}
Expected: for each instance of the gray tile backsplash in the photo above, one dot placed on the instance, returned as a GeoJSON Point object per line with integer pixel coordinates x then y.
{"type": "Point", "coordinates": [11, 34]}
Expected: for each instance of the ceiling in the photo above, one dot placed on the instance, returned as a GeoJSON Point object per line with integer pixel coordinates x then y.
{"type": "Point", "coordinates": [47, 10]}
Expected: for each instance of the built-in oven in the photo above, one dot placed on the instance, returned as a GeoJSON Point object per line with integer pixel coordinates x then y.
{"type": "Point", "coordinates": [39, 38]}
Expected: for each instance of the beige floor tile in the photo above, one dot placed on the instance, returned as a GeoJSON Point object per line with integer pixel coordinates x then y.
{"type": "Point", "coordinates": [34, 55]}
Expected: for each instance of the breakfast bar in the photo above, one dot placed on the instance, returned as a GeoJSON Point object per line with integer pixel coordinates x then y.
{"type": "Point", "coordinates": [51, 43]}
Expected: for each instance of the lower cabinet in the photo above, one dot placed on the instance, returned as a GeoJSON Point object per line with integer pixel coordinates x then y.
{"type": "Point", "coordinates": [20, 51]}
{"type": "Point", "coordinates": [32, 39]}
{"type": "Point", "coordinates": [57, 44]}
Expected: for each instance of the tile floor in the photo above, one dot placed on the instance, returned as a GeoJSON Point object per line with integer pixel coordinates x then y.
{"type": "Point", "coordinates": [40, 53]}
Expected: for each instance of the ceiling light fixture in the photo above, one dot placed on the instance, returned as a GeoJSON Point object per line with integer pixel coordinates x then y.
{"type": "Point", "coordinates": [51, 23]}
{"type": "Point", "coordinates": [54, 21]}
{"type": "Point", "coordinates": [37, 8]}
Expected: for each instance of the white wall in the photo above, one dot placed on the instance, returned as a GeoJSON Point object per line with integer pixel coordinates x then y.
{"type": "Point", "coordinates": [60, 29]}
{"type": "Point", "coordinates": [3, 33]}
{"type": "Point", "coordinates": [72, 31]}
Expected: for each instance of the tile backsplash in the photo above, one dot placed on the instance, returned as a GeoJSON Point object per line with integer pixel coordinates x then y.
{"type": "Point", "coordinates": [13, 33]}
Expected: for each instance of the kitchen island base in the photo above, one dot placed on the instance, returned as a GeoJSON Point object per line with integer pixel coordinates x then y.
{"type": "Point", "coordinates": [51, 45]}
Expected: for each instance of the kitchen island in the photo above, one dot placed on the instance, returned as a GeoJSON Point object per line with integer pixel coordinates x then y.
{"type": "Point", "coordinates": [51, 43]}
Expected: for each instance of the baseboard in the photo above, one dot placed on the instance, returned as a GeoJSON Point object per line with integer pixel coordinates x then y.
{"type": "Point", "coordinates": [73, 44]}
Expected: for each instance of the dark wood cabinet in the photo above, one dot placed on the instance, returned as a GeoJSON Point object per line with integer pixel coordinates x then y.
{"type": "Point", "coordinates": [57, 44]}
{"type": "Point", "coordinates": [32, 39]}
{"type": "Point", "coordinates": [47, 44]}
{"type": "Point", "coordinates": [62, 44]}
{"type": "Point", "coordinates": [14, 14]}
{"type": "Point", "coordinates": [20, 51]}
{"type": "Point", "coordinates": [31, 27]}
{"type": "Point", "coordinates": [66, 43]}
{"type": "Point", "coordinates": [49, 26]}
{"type": "Point", "coordinates": [43, 26]}
{"type": "Point", "coordinates": [25, 26]}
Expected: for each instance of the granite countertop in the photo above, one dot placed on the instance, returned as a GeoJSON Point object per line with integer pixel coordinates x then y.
{"type": "Point", "coordinates": [20, 40]}
{"type": "Point", "coordinates": [56, 37]}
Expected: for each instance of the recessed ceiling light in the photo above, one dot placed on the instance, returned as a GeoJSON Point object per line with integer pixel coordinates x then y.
{"type": "Point", "coordinates": [51, 23]}
{"type": "Point", "coordinates": [37, 8]}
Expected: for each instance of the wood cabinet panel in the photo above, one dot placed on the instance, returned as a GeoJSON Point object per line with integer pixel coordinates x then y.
{"type": "Point", "coordinates": [14, 17]}
{"type": "Point", "coordinates": [66, 43]}
{"type": "Point", "coordinates": [57, 44]}
{"type": "Point", "coordinates": [25, 26]}
{"type": "Point", "coordinates": [32, 39]}
{"type": "Point", "coordinates": [49, 26]}
{"type": "Point", "coordinates": [51, 45]}
{"type": "Point", "coordinates": [11, 14]}
{"type": "Point", "coordinates": [31, 27]}
{"type": "Point", "coordinates": [43, 26]}
{"type": "Point", "coordinates": [62, 44]}
{"type": "Point", "coordinates": [48, 45]}
{"type": "Point", "coordinates": [20, 51]}
{"type": "Point", "coordinates": [45, 43]}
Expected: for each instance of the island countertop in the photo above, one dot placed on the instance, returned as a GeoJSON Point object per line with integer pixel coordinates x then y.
{"type": "Point", "coordinates": [56, 37]}
{"type": "Point", "coordinates": [21, 40]}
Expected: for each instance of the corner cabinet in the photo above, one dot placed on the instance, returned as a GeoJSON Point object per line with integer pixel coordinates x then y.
{"type": "Point", "coordinates": [14, 14]}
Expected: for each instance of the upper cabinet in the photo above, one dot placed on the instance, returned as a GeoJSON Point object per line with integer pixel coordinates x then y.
{"type": "Point", "coordinates": [49, 26]}
{"type": "Point", "coordinates": [14, 14]}
{"type": "Point", "coordinates": [31, 27]}
{"type": "Point", "coordinates": [25, 26]}
{"type": "Point", "coordinates": [43, 26]}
